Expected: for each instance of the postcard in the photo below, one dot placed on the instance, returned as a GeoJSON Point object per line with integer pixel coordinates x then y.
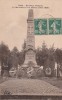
{"type": "Point", "coordinates": [31, 49]}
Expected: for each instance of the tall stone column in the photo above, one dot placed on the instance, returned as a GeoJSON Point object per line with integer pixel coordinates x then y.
{"type": "Point", "coordinates": [30, 55]}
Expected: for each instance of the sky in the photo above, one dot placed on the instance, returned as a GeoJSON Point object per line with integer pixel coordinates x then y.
{"type": "Point", "coordinates": [13, 21]}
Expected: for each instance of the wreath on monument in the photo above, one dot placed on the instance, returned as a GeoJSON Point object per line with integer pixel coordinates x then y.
{"type": "Point", "coordinates": [30, 69]}
{"type": "Point", "coordinates": [48, 71]}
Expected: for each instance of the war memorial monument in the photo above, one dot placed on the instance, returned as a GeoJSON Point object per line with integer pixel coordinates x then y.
{"type": "Point", "coordinates": [30, 65]}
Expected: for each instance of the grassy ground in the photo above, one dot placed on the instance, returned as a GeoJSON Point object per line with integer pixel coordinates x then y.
{"type": "Point", "coordinates": [53, 81]}
{"type": "Point", "coordinates": [29, 86]}
{"type": "Point", "coordinates": [3, 79]}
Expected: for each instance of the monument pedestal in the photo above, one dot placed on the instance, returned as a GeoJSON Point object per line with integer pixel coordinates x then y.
{"type": "Point", "coordinates": [29, 72]}
{"type": "Point", "coordinates": [30, 66]}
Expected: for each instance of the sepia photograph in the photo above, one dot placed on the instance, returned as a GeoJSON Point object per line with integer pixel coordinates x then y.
{"type": "Point", "coordinates": [30, 50]}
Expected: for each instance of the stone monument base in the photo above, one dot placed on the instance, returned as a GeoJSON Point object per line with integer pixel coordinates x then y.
{"type": "Point", "coordinates": [29, 70]}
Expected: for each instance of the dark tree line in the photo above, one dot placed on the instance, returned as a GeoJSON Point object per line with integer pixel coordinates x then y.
{"type": "Point", "coordinates": [10, 58]}
{"type": "Point", "coordinates": [44, 56]}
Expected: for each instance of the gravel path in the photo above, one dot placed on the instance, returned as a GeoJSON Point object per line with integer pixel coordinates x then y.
{"type": "Point", "coordinates": [29, 86]}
